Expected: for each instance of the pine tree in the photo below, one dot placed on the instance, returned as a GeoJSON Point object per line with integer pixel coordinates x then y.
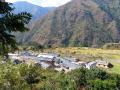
{"type": "Point", "coordinates": [9, 23]}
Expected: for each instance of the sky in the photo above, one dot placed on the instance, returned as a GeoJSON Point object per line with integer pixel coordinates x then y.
{"type": "Point", "coordinates": [44, 3]}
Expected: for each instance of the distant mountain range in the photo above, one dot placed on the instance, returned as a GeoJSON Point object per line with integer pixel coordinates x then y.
{"type": "Point", "coordinates": [78, 23]}
{"type": "Point", "coordinates": [36, 11]}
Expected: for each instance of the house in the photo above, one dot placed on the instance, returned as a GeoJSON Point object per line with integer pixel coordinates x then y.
{"type": "Point", "coordinates": [59, 69]}
{"type": "Point", "coordinates": [26, 53]}
{"type": "Point", "coordinates": [44, 65]}
{"type": "Point", "coordinates": [47, 55]}
{"type": "Point", "coordinates": [81, 63]}
{"type": "Point", "coordinates": [70, 59]}
{"type": "Point", "coordinates": [104, 64]}
{"type": "Point", "coordinates": [13, 56]}
{"type": "Point", "coordinates": [90, 65]}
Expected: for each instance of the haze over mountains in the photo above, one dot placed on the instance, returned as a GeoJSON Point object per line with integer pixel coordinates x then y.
{"type": "Point", "coordinates": [36, 11]}
{"type": "Point", "coordinates": [78, 23]}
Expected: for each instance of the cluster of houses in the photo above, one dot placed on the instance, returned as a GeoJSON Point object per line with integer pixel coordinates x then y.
{"type": "Point", "coordinates": [55, 61]}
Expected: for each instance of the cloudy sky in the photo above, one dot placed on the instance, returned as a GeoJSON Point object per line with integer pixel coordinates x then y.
{"type": "Point", "coordinates": [44, 3]}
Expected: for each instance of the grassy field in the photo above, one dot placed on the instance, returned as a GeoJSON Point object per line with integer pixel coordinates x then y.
{"type": "Point", "coordinates": [84, 52]}
{"type": "Point", "coordinates": [90, 54]}
{"type": "Point", "coordinates": [115, 69]}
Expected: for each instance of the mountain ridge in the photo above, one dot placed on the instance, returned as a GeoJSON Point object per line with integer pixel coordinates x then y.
{"type": "Point", "coordinates": [35, 10]}
{"type": "Point", "coordinates": [77, 23]}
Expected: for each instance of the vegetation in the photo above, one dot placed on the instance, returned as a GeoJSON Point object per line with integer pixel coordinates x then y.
{"type": "Point", "coordinates": [32, 46]}
{"type": "Point", "coordinates": [9, 23]}
{"type": "Point", "coordinates": [24, 77]}
{"type": "Point", "coordinates": [86, 53]}
{"type": "Point", "coordinates": [112, 46]}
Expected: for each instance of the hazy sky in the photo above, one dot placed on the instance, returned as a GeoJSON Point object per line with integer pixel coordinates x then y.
{"type": "Point", "coordinates": [44, 3]}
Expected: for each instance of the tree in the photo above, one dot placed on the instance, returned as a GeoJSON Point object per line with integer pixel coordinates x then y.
{"type": "Point", "coordinates": [30, 74]}
{"type": "Point", "coordinates": [36, 46]}
{"type": "Point", "coordinates": [9, 23]}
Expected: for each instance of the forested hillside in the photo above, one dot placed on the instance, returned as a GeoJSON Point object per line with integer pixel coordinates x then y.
{"type": "Point", "coordinates": [78, 23]}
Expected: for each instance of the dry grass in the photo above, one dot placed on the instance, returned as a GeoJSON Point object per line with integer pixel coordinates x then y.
{"type": "Point", "coordinates": [89, 54]}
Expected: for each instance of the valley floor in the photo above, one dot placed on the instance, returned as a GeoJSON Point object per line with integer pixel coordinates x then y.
{"type": "Point", "coordinates": [91, 54]}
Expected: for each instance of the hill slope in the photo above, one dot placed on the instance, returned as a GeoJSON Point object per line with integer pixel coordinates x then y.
{"type": "Point", "coordinates": [35, 10]}
{"type": "Point", "coordinates": [78, 23]}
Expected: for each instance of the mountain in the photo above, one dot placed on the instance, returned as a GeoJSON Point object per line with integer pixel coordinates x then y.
{"type": "Point", "coordinates": [78, 23]}
{"type": "Point", "coordinates": [35, 10]}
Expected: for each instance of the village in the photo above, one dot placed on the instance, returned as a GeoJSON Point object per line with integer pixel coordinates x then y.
{"type": "Point", "coordinates": [55, 61]}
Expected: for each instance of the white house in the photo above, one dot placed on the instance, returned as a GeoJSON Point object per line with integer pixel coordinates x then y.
{"type": "Point", "coordinates": [91, 65]}
{"type": "Point", "coordinates": [13, 56]}
{"type": "Point", "coordinates": [44, 65]}
{"type": "Point", "coordinates": [47, 55]}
